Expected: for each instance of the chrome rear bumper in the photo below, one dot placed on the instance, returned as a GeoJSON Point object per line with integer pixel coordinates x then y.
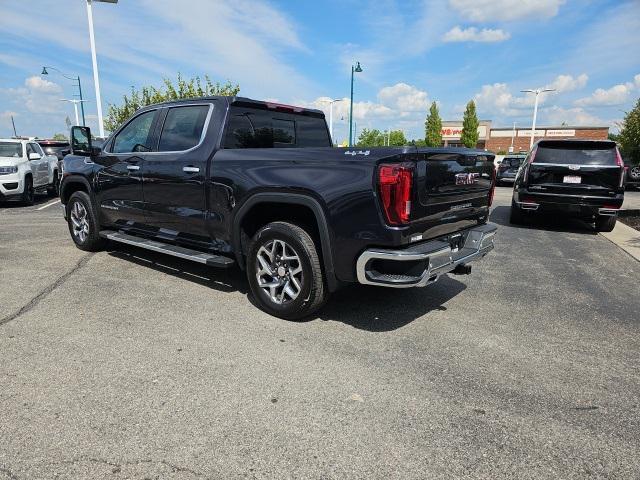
{"type": "Point", "coordinates": [429, 259]}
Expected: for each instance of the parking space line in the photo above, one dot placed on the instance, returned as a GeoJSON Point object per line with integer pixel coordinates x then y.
{"type": "Point", "coordinates": [48, 204]}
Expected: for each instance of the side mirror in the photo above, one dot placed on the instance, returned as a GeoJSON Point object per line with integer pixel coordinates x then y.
{"type": "Point", "coordinates": [81, 141]}
{"type": "Point", "coordinates": [34, 156]}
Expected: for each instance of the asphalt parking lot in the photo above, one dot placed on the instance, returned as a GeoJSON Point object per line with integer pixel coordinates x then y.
{"type": "Point", "coordinates": [127, 364]}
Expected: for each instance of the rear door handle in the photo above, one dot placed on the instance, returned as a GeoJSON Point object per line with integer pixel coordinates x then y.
{"type": "Point", "coordinates": [190, 169]}
{"type": "Point", "coordinates": [133, 167]}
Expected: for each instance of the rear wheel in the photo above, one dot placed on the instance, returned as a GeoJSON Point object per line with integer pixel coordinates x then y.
{"type": "Point", "coordinates": [516, 217]}
{"type": "Point", "coordinates": [28, 193]}
{"type": "Point", "coordinates": [83, 224]}
{"type": "Point", "coordinates": [284, 271]}
{"type": "Point", "coordinates": [605, 223]}
{"type": "Point", "coordinates": [54, 189]}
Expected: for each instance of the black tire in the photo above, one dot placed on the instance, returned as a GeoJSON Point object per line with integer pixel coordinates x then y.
{"type": "Point", "coordinates": [605, 223]}
{"type": "Point", "coordinates": [312, 293]}
{"type": "Point", "coordinates": [79, 210]}
{"type": "Point", "coordinates": [516, 216]}
{"type": "Point", "coordinates": [28, 194]}
{"type": "Point", "coordinates": [54, 189]}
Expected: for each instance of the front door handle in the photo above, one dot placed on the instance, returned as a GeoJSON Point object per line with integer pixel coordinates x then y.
{"type": "Point", "coordinates": [190, 169]}
{"type": "Point", "coordinates": [133, 167]}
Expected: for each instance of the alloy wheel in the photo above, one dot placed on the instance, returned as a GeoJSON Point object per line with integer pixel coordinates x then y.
{"type": "Point", "coordinates": [279, 271]}
{"type": "Point", "coordinates": [79, 222]}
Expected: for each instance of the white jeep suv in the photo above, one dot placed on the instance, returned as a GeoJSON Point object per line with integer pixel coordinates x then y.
{"type": "Point", "coordinates": [25, 169]}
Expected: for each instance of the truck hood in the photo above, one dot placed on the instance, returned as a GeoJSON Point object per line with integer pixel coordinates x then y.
{"type": "Point", "coordinates": [10, 161]}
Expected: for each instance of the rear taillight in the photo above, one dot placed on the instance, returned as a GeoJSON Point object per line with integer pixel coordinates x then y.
{"type": "Point", "coordinates": [528, 165]}
{"type": "Point", "coordinates": [395, 181]}
{"type": "Point", "coordinates": [622, 167]}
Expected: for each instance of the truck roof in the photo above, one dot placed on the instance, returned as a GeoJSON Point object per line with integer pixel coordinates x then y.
{"type": "Point", "coordinates": [245, 101]}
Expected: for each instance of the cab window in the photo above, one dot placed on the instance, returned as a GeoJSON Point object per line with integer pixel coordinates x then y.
{"type": "Point", "coordinates": [135, 136]}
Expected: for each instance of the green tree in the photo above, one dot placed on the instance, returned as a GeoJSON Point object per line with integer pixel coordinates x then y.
{"type": "Point", "coordinates": [148, 95]}
{"type": "Point", "coordinates": [397, 138]}
{"type": "Point", "coordinates": [433, 127]}
{"type": "Point", "coordinates": [370, 138]}
{"type": "Point", "coordinates": [469, 136]}
{"type": "Point", "coordinates": [629, 137]}
{"type": "Point", "coordinates": [59, 136]}
{"type": "Point", "coordinates": [418, 142]}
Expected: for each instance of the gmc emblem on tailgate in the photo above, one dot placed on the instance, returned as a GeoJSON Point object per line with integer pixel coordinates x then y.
{"type": "Point", "coordinates": [466, 178]}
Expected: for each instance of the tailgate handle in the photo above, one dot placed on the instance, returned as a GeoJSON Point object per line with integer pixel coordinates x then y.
{"type": "Point", "coordinates": [190, 169]}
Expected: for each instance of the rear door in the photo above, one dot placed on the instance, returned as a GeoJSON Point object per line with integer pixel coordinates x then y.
{"type": "Point", "coordinates": [175, 173]}
{"type": "Point", "coordinates": [576, 168]}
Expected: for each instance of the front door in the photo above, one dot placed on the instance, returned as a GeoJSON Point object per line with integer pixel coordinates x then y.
{"type": "Point", "coordinates": [38, 166]}
{"type": "Point", "coordinates": [119, 182]}
{"type": "Point", "coordinates": [174, 175]}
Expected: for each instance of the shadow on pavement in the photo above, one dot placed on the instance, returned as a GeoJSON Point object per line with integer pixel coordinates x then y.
{"type": "Point", "coordinates": [559, 223]}
{"type": "Point", "coordinates": [380, 309]}
{"type": "Point", "coordinates": [375, 309]}
{"type": "Point", "coordinates": [39, 199]}
{"type": "Point", "coordinates": [222, 280]}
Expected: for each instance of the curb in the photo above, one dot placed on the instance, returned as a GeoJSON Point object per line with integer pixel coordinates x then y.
{"type": "Point", "coordinates": [625, 237]}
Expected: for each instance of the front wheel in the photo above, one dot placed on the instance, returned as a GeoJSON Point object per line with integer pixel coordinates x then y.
{"type": "Point", "coordinates": [83, 224]}
{"type": "Point", "coordinates": [28, 194]}
{"type": "Point", "coordinates": [605, 223]}
{"type": "Point", "coordinates": [284, 271]}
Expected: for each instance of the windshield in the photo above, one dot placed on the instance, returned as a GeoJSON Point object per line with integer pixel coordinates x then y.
{"type": "Point", "coordinates": [512, 161]}
{"type": "Point", "coordinates": [577, 153]}
{"type": "Point", "coordinates": [10, 149]}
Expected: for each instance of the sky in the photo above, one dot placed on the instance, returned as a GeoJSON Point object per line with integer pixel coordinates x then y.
{"type": "Point", "coordinates": [412, 52]}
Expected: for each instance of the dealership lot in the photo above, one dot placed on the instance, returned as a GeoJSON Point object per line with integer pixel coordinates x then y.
{"type": "Point", "coordinates": [127, 364]}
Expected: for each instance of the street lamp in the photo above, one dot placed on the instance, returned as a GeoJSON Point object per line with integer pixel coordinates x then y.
{"type": "Point", "coordinates": [75, 106]}
{"type": "Point", "coordinates": [95, 61]}
{"type": "Point", "coordinates": [537, 91]}
{"type": "Point", "coordinates": [77, 79]}
{"type": "Point", "coordinates": [356, 69]}
{"type": "Point", "coordinates": [331, 102]}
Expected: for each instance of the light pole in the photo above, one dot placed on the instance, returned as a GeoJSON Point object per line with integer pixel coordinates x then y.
{"type": "Point", "coordinates": [537, 91]}
{"type": "Point", "coordinates": [331, 102]}
{"type": "Point", "coordinates": [356, 69]}
{"type": "Point", "coordinates": [95, 62]}
{"type": "Point", "coordinates": [75, 106]}
{"type": "Point", "coordinates": [77, 79]}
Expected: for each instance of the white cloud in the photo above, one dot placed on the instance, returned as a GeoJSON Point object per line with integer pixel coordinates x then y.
{"type": "Point", "coordinates": [556, 115]}
{"type": "Point", "coordinates": [567, 83]}
{"type": "Point", "coordinates": [403, 97]}
{"type": "Point", "coordinates": [506, 10]}
{"type": "Point", "coordinates": [37, 96]}
{"type": "Point", "coordinates": [497, 98]}
{"type": "Point", "coordinates": [472, 34]}
{"type": "Point", "coordinates": [616, 95]}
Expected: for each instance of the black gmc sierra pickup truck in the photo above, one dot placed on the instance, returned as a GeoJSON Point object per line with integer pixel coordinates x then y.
{"type": "Point", "coordinates": [229, 180]}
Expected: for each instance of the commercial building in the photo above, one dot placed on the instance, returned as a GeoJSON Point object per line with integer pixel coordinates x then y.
{"type": "Point", "coordinates": [518, 139]}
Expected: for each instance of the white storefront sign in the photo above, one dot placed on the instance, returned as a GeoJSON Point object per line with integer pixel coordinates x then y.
{"type": "Point", "coordinates": [561, 133]}
{"type": "Point", "coordinates": [527, 133]}
{"type": "Point", "coordinates": [501, 133]}
{"type": "Point", "coordinates": [454, 133]}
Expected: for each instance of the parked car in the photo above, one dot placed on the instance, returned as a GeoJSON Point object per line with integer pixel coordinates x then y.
{"type": "Point", "coordinates": [229, 180]}
{"type": "Point", "coordinates": [632, 178]}
{"type": "Point", "coordinates": [508, 169]}
{"type": "Point", "coordinates": [59, 148]}
{"type": "Point", "coordinates": [578, 178]}
{"type": "Point", "coordinates": [25, 169]}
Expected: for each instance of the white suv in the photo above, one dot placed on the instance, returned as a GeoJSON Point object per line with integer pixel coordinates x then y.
{"type": "Point", "coordinates": [24, 169]}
